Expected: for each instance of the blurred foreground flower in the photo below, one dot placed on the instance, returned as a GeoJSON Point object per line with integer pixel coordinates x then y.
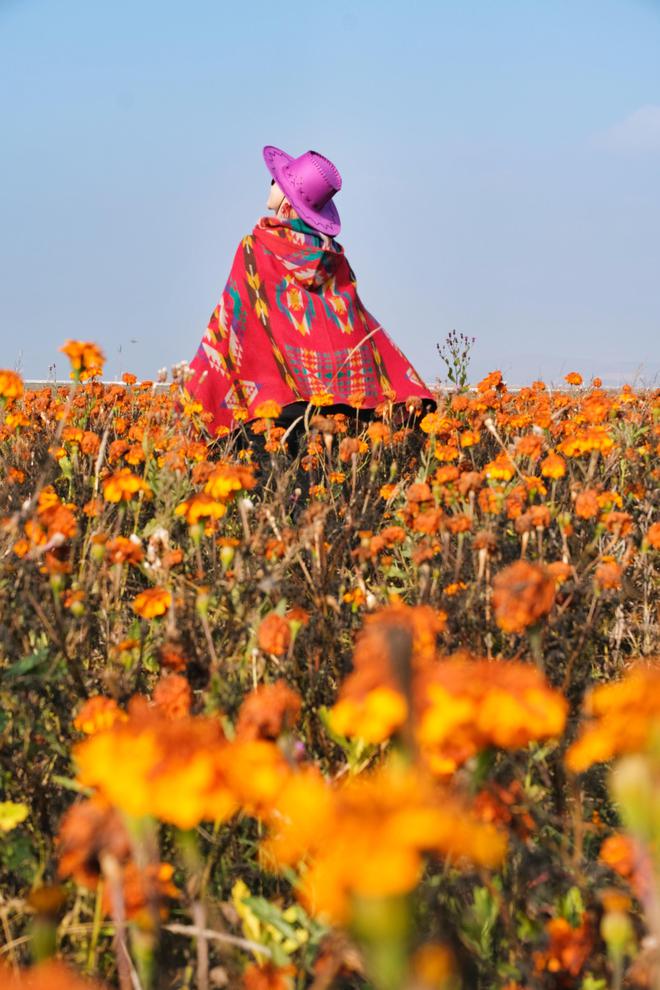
{"type": "Point", "coordinates": [86, 358]}
{"type": "Point", "coordinates": [367, 835]}
{"type": "Point", "coordinates": [621, 718]}
{"type": "Point", "coordinates": [50, 975]}
{"type": "Point", "coordinates": [11, 384]}
{"type": "Point", "coordinates": [454, 706]}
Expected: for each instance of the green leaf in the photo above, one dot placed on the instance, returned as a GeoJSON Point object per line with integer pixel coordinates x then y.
{"type": "Point", "coordinates": [28, 663]}
{"type": "Point", "coordinates": [571, 907]}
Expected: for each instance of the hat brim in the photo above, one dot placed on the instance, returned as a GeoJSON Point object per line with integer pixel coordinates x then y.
{"type": "Point", "coordinates": [326, 219]}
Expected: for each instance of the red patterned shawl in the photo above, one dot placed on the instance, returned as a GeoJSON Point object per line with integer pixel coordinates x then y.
{"type": "Point", "coordinates": [290, 325]}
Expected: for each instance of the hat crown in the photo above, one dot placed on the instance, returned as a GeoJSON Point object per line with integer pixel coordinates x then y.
{"type": "Point", "coordinates": [314, 177]}
{"type": "Point", "coordinates": [309, 182]}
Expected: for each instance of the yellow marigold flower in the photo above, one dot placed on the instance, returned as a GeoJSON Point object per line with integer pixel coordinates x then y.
{"type": "Point", "coordinates": [322, 399]}
{"type": "Point", "coordinates": [227, 479]}
{"type": "Point", "coordinates": [268, 409]}
{"type": "Point", "coordinates": [388, 491]}
{"type": "Point", "coordinates": [621, 718]}
{"type": "Point", "coordinates": [152, 602]}
{"type": "Point", "coordinates": [11, 384]}
{"type": "Point", "coordinates": [200, 506]}
{"type": "Point", "coordinates": [373, 718]}
{"type": "Point", "coordinates": [435, 422]}
{"type": "Point", "coordinates": [501, 469]}
{"type": "Point", "coordinates": [553, 466]}
{"type": "Point", "coordinates": [123, 485]}
{"type": "Point", "coordinates": [97, 714]}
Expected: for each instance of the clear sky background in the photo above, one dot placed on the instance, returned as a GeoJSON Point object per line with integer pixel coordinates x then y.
{"type": "Point", "coordinates": [500, 158]}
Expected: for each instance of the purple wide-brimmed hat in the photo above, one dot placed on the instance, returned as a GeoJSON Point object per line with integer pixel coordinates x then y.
{"type": "Point", "coordinates": [309, 182]}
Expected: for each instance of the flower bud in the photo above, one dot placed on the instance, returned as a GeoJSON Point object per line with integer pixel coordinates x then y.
{"type": "Point", "coordinates": [617, 932]}
{"type": "Point", "coordinates": [632, 785]}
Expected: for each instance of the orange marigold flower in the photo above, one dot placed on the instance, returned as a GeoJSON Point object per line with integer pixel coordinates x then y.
{"type": "Point", "coordinates": [446, 452]}
{"type": "Point", "coordinates": [172, 657]}
{"type": "Point", "coordinates": [560, 571]}
{"type": "Point", "coordinates": [652, 537]}
{"type": "Point", "coordinates": [530, 446]}
{"type": "Point", "coordinates": [123, 550]}
{"type": "Point", "coordinates": [172, 696]}
{"type": "Point", "coordinates": [371, 704]}
{"type": "Point", "coordinates": [607, 575]}
{"type": "Point", "coordinates": [388, 491]}
{"type": "Point", "coordinates": [267, 711]}
{"type": "Point", "coordinates": [492, 380]}
{"type": "Point", "coordinates": [617, 523]}
{"type": "Point", "coordinates": [49, 975]}
{"type": "Point", "coordinates": [379, 432]}
{"type": "Point", "coordinates": [467, 704]}
{"type": "Point", "coordinates": [226, 479]}
{"type": "Point", "coordinates": [586, 504]}
{"type": "Point", "coordinates": [569, 949]}
{"type": "Point", "coordinates": [152, 602]}
{"type": "Point", "coordinates": [622, 718]}
{"type": "Point", "coordinates": [629, 860]}
{"type": "Point", "coordinates": [434, 966]}
{"type": "Point", "coordinates": [454, 588]}
{"type": "Point", "coordinates": [200, 506]}
{"type": "Point", "coordinates": [274, 635]}
{"type": "Point", "coordinates": [584, 441]}
{"type": "Point", "coordinates": [123, 485]}
{"type": "Point", "coordinates": [446, 474]}
{"type": "Point", "coordinates": [11, 384]}
{"type": "Point", "coordinates": [97, 714]}
{"type": "Point", "coordinates": [268, 977]}
{"type": "Point", "coordinates": [367, 835]}
{"type": "Point", "coordinates": [573, 378]}
{"type": "Point", "coordinates": [268, 410]}
{"type": "Point", "coordinates": [374, 717]}
{"type": "Point", "coordinates": [84, 356]}
{"type": "Point", "coordinates": [553, 466]}
{"type": "Point", "coordinates": [539, 516]}
{"type": "Point", "coordinates": [469, 438]}
{"type": "Point", "coordinates": [419, 491]}
{"type": "Point", "coordinates": [174, 769]}
{"type": "Point", "coordinates": [522, 594]}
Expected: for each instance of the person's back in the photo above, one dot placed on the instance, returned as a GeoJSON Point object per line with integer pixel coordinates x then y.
{"type": "Point", "coordinates": [290, 327]}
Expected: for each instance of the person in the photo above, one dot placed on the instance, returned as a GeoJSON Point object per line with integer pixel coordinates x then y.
{"type": "Point", "coordinates": [290, 328]}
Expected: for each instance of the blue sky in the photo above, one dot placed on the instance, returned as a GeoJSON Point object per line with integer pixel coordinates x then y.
{"type": "Point", "coordinates": [500, 161]}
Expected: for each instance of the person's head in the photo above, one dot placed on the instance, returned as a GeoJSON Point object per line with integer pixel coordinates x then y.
{"type": "Point", "coordinates": [278, 202]}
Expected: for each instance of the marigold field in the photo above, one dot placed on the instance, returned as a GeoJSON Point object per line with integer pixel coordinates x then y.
{"type": "Point", "coordinates": [383, 715]}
